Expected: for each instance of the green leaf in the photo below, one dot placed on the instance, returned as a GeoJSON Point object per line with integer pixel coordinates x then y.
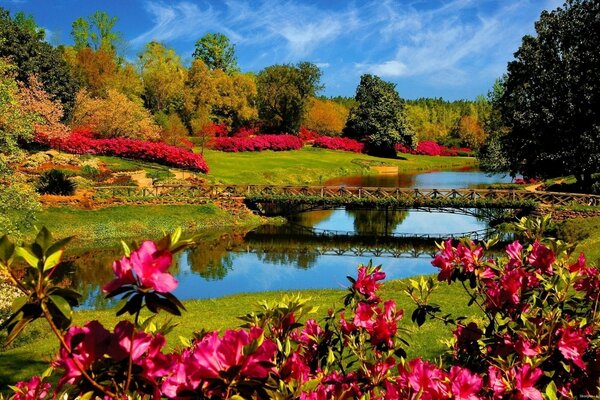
{"type": "Point", "coordinates": [44, 238]}
{"type": "Point", "coordinates": [175, 236]}
{"type": "Point", "coordinates": [126, 249]}
{"type": "Point", "coordinates": [63, 306]}
{"type": "Point", "coordinates": [19, 302]}
{"type": "Point", "coordinates": [551, 391]}
{"type": "Point", "coordinates": [59, 245]}
{"type": "Point", "coordinates": [53, 260]}
{"type": "Point", "coordinates": [87, 396]}
{"type": "Point", "coordinates": [7, 250]}
{"type": "Point", "coordinates": [27, 256]}
{"type": "Point", "coordinates": [185, 341]}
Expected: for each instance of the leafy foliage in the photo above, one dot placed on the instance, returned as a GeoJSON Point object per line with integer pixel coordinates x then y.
{"type": "Point", "coordinates": [338, 143]}
{"type": "Point", "coordinates": [258, 143]}
{"type": "Point", "coordinates": [96, 32]}
{"type": "Point", "coordinates": [217, 52]}
{"type": "Point", "coordinates": [27, 50]}
{"type": "Point", "coordinates": [55, 181]}
{"type": "Point", "coordinates": [326, 117]}
{"type": "Point", "coordinates": [284, 92]}
{"type": "Point", "coordinates": [551, 100]}
{"type": "Point", "coordinates": [379, 119]}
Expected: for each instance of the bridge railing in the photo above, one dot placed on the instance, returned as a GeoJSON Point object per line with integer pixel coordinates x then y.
{"type": "Point", "coordinates": [407, 194]}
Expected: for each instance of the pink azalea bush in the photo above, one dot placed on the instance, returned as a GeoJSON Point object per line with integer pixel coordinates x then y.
{"type": "Point", "coordinates": [83, 142]}
{"type": "Point", "coordinates": [431, 148]}
{"type": "Point", "coordinates": [339, 143]}
{"type": "Point", "coordinates": [537, 336]}
{"type": "Point", "coordinates": [258, 143]}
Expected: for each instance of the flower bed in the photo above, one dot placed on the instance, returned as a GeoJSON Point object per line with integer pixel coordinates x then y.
{"type": "Point", "coordinates": [258, 143]}
{"type": "Point", "coordinates": [82, 142]}
{"type": "Point", "coordinates": [339, 143]}
{"type": "Point", "coordinates": [430, 148]}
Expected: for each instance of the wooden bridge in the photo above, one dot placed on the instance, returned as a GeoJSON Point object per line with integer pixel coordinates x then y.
{"type": "Point", "coordinates": [338, 196]}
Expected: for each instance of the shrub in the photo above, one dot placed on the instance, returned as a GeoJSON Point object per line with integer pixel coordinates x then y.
{"type": "Point", "coordinates": [431, 148]}
{"type": "Point", "coordinates": [56, 182]}
{"type": "Point", "coordinates": [339, 143]}
{"type": "Point", "coordinates": [307, 135]}
{"type": "Point", "coordinates": [538, 332]}
{"type": "Point", "coordinates": [82, 142]}
{"type": "Point", "coordinates": [258, 143]}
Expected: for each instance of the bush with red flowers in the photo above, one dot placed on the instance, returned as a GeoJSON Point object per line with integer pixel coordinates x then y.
{"type": "Point", "coordinates": [538, 332]}
{"type": "Point", "coordinates": [258, 143]}
{"type": "Point", "coordinates": [430, 148]}
{"type": "Point", "coordinates": [82, 142]}
{"type": "Point", "coordinates": [307, 135]}
{"type": "Point", "coordinates": [339, 143]}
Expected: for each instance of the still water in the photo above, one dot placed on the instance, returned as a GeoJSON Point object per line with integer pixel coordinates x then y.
{"type": "Point", "coordinates": [316, 249]}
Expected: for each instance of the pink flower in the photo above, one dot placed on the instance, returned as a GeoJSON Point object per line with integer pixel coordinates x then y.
{"type": "Point", "coordinates": [363, 317]}
{"type": "Point", "coordinates": [423, 377]}
{"type": "Point", "coordinates": [88, 344]}
{"type": "Point", "coordinates": [495, 382]}
{"type": "Point", "coordinates": [514, 251]}
{"type": "Point", "coordinates": [469, 258]}
{"type": "Point", "coordinates": [445, 261]}
{"type": "Point", "coordinates": [572, 345]}
{"type": "Point", "coordinates": [146, 268]}
{"type": "Point", "coordinates": [386, 324]}
{"type": "Point", "coordinates": [367, 281]}
{"type": "Point", "coordinates": [525, 380]}
{"type": "Point", "coordinates": [464, 384]}
{"type": "Point", "coordinates": [526, 347]}
{"type": "Point", "coordinates": [295, 368]}
{"type": "Point", "coordinates": [34, 389]}
{"type": "Point", "coordinates": [541, 257]}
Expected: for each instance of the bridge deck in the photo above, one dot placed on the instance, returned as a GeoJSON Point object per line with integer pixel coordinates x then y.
{"type": "Point", "coordinates": [349, 195]}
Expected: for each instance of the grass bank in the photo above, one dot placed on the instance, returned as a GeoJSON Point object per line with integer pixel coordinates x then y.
{"type": "Point", "coordinates": [586, 233]}
{"type": "Point", "coordinates": [31, 358]}
{"type": "Point", "coordinates": [111, 224]}
{"type": "Point", "coordinates": [314, 166]}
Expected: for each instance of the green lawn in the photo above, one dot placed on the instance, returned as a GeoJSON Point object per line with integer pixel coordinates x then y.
{"type": "Point", "coordinates": [312, 165]}
{"type": "Point", "coordinates": [586, 233]}
{"type": "Point", "coordinates": [135, 221]}
{"type": "Point", "coordinates": [28, 359]}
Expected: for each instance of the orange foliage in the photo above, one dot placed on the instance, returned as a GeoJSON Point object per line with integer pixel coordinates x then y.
{"type": "Point", "coordinates": [34, 99]}
{"type": "Point", "coordinates": [470, 132]}
{"type": "Point", "coordinates": [326, 117]}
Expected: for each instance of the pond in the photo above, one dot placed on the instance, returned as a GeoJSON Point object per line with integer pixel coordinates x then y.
{"type": "Point", "coordinates": [315, 249]}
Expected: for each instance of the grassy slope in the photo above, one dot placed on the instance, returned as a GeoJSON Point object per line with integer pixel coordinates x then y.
{"type": "Point", "coordinates": [122, 222]}
{"type": "Point", "coordinates": [312, 165]}
{"type": "Point", "coordinates": [586, 232]}
{"type": "Point", "coordinates": [23, 361]}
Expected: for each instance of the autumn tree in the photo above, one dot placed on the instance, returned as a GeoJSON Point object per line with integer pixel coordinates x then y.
{"type": "Point", "coordinates": [34, 100]}
{"type": "Point", "coordinates": [217, 52]}
{"type": "Point", "coordinates": [379, 118]}
{"type": "Point", "coordinates": [173, 131]}
{"type": "Point", "coordinates": [115, 116]}
{"type": "Point", "coordinates": [31, 55]}
{"type": "Point", "coordinates": [469, 131]}
{"type": "Point", "coordinates": [326, 117]}
{"type": "Point", "coordinates": [551, 100]}
{"type": "Point", "coordinates": [163, 76]}
{"type": "Point", "coordinates": [284, 93]}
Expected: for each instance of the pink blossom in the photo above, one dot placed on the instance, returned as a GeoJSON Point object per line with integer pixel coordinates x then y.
{"type": "Point", "coordinates": [469, 258]}
{"type": "Point", "coordinates": [527, 347]}
{"type": "Point", "coordinates": [146, 267]}
{"type": "Point", "coordinates": [514, 251]}
{"type": "Point", "coordinates": [445, 261]}
{"type": "Point", "coordinates": [525, 380]}
{"type": "Point", "coordinates": [464, 384]}
{"type": "Point", "coordinates": [572, 345]}
{"type": "Point", "coordinates": [295, 368]}
{"type": "Point", "coordinates": [34, 389]}
{"type": "Point", "coordinates": [367, 282]}
{"type": "Point", "coordinates": [363, 317]}
{"type": "Point", "coordinates": [541, 257]}
{"type": "Point", "coordinates": [422, 376]}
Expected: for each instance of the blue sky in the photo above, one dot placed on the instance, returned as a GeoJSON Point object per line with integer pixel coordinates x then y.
{"type": "Point", "coordinates": [453, 49]}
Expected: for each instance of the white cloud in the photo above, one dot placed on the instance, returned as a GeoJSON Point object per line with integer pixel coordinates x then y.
{"type": "Point", "coordinates": [323, 65]}
{"type": "Point", "coordinates": [390, 69]}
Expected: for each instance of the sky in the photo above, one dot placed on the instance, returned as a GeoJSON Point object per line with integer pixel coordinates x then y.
{"type": "Point", "coordinates": [454, 49]}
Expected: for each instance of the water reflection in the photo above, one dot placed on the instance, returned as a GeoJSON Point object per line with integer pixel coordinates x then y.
{"type": "Point", "coordinates": [430, 180]}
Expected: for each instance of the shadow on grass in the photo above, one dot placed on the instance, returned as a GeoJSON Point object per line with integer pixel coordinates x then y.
{"type": "Point", "coordinates": [18, 365]}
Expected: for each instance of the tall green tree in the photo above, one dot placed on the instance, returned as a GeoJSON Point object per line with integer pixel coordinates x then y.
{"type": "Point", "coordinates": [284, 93]}
{"type": "Point", "coordinates": [26, 49]}
{"type": "Point", "coordinates": [492, 155]}
{"type": "Point", "coordinates": [217, 52]}
{"type": "Point", "coordinates": [379, 118]}
{"type": "Point", "coordinates": [97, 32]}
{"type": "Point", "coordinates": [551, 95]}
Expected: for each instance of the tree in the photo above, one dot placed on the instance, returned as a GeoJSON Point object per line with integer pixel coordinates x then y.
{"type": "Point", "coordinates": [284, 92]}
{"type": "Point", "coordinates": [326, 117]}
{"type": "Point", "coordinates": [114, 116]}
{"type": "Point", "coordinates": [217, 52]}
{"type": "Point", "coordinates": [163, 76]}
{"type": "Point", "coordinates": [492, 155]}
{"type": "Point", "coordinates": [379, 118]}
{"type": "Point", "coordinates": [552, 92]}
{"type": "Point", "coordinates": [96, 32]}
{"type": "Point", "coordinates": [31, 55]}
{"type": "Point", "coordinates": [470, 132]}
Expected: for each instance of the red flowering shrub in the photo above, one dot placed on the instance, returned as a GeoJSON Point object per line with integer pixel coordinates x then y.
{"type": "Point", "coordinates": [430, 148]}
{"type": "Point", "coordinates": [82, 142]}
{"type": "Point", "coordinates": [339, 143]}
{"type": "Point", "coordinates": [245, 132]}
{"type": "Point", "coordinates": [307, 135]}
{"type": "Point", "coordinates": [216, 130]}
{"type": "Point", "coordinates": [540, 333]}
{"type": "Point", "coordinates": [258, 143]}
